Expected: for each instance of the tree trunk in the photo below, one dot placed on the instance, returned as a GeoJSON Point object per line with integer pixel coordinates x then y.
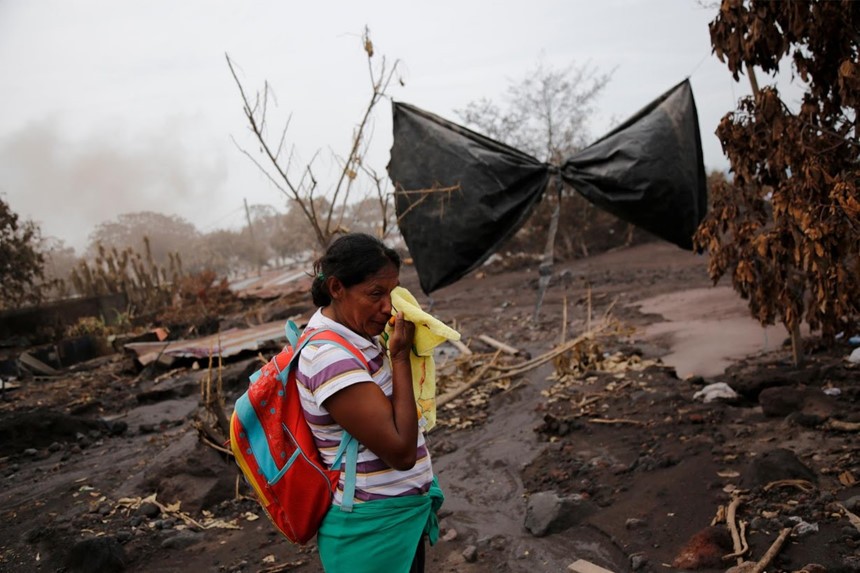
{"type": "Point", "coordinates": [796, 344]}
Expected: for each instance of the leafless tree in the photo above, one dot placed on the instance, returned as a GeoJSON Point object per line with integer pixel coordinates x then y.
{"type": "Point", "coordinates": [304, 190]}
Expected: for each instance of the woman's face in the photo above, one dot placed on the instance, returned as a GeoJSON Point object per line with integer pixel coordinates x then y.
{"type": "Point", "coordinates": [366, 307]}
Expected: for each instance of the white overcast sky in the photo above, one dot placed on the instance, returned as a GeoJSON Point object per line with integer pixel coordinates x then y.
{"type": "Point", "coordinates": [115, 106]}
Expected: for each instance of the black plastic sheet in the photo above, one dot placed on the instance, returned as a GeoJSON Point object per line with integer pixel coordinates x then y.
{"type": "Point", "coordinates": [459, 195]}
{"type": "Point", "coordinates": [649, 170]}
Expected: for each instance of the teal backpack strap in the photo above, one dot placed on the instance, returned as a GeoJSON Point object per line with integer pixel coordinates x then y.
{"type": "Point", "coordinates": [341, 450]}
{"type": "Point", "coordinates": [292, 333]}
{"type": "Point", "coordinates": [347, 458]}
{"type": "Point", "coordinates": [349, 474]}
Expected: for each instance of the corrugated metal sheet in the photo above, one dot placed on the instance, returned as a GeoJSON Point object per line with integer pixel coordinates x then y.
{"type": "Point", "coordinates": [227, 343]}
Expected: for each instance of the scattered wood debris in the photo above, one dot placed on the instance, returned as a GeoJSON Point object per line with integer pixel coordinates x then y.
{"type": "Point", "coordinates": [737, 530]}
{"type": "Point", "coordinates": [506, 348]}
{"type": "Point", "coordinates": [172, 509]}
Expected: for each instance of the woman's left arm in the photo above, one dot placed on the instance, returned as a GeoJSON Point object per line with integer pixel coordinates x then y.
{"type": "Point", "coordinates": [388, 427]}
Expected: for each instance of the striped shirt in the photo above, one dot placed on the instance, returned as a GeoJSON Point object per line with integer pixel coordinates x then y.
{"type": "Point", "coordinates": [324, 370]}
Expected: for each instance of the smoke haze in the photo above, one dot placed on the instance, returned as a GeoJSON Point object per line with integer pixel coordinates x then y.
{"type": "Point", "coordinates": [74, 185]}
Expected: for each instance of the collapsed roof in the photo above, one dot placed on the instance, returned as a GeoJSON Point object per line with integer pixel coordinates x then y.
{"type": "Point", "coordinates": [459, 195]}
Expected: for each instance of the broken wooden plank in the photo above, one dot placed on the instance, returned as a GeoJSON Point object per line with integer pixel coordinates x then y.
{"type": "Point", "coordinates": [771, 552]}
{"type": "Point", "coordinates": [842, 426]}
{"type": "Point", "coordinates": [616, 421]}
{"type": "Point", "coordinates": [37, 365]}
{"type": "Point", "coordinates": [583, 566]}
{"type": "Point", "coordinates": [462, 348]}
{"type": "Point", "coordinates": [8, 385]}
{"type": "Point", "coordinates": [498, 345]}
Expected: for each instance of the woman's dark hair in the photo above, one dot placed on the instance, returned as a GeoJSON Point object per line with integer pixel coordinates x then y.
{"type": "Point", "coordinates": [351, 258]}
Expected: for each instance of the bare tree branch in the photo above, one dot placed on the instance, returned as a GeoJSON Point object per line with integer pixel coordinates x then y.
{"type": "Point", "coordinates": [303, 190]}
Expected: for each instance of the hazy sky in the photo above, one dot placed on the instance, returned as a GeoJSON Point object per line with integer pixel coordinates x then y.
{"type": "Point", "coordinates": [119, 106]}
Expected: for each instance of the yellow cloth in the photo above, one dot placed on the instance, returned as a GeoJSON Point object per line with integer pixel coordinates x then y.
{"type": "Point", "coordinates": [430, 332]}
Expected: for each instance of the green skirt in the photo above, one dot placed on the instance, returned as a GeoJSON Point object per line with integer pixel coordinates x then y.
{"type": "Point", "coordinates": [379, 535]}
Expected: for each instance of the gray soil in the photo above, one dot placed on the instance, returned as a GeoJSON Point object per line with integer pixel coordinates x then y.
{"type": "Point", "coordinates": [640, 466]}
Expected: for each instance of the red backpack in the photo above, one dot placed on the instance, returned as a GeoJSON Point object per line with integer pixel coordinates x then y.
{"type": "Point", "coordinates": [275, 449]}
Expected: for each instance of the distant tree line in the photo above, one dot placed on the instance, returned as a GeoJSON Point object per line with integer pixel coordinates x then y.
{"type": "Point", "coordinates": [34, 268]}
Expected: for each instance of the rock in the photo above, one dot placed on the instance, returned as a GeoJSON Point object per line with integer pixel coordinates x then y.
{"type": "Point", "coordinates": [96, 555]}
{"type": "Point", "coordinates": [780, 401]}
{"type": "Point", "coordinates": [117, 428]}
{"type": "Point", "coordinates": [797, 400]}
{"type": "Point", "coordinates": [716, 391]}
{"type": "Point", "coordinates": [805, 420]}
{"type": "Point", "coordinates": [852, 503]}
{"type": "Point", "coordinates": [185, 471]}
{"type": "Point", "coordinates": [637, 561]}
{"type": "Point", "coordinates": [470, 554]}
{"type": "Point", "coordinates": [751, 386]}
{"type": "Point", "coordinates": [124, 536]}
{"type": "Point", "coordinates": [31, 452]}
{"type": "Point", "coordinates": [182, 539]}
{"type": "Point", "coordinates": [135, 521]}
{"type": "Point", "coordinates": [444, 447]}
{"type": "Point", "coordinates": [634, 523]}
{"type": "Point", "coordinates": [547, 512]}
{"type": "Point", "coordinates": [705, 549]}
{"type": "Point", "coordinates": [854, 357]}
{"type": "Point", "coordinates": [802, 528]}
{"type": "Point", "coordinates": [450, 535]}
{"type": "Point", "coordinates": [775, 465]}
{"type": "Point", "coordinates": [164, 523]}
{"type": "Point", "coordinates": [148, 509]}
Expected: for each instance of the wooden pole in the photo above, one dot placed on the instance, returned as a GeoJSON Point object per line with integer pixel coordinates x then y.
{"type": "Point", "coordinates": [545, 269]}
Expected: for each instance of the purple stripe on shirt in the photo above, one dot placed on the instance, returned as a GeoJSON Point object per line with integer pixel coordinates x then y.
{"type": "Point", "coordinates": [364, 496]}
{"type": "Point", "coordinates": [377, 465]}
{"type": "Point", "coordinates": [375, 363]}
{"type": "Point", "coordinates": [332, 370]}
{"type": "Point", "coordinates": [321, 420]}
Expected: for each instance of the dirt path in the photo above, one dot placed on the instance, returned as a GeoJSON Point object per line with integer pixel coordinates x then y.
{"type": "Point", "coordinates": [647, 464]}
{"type": "Point", "coordinates": [486, 496]}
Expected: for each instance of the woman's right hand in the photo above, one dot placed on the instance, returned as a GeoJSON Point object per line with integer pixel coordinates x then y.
{"type": "Point", "coordinates": [400, 341]}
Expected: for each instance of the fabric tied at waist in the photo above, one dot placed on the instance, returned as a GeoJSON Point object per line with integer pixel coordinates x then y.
{"type": "Point", "coordinates": [379, 535]}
